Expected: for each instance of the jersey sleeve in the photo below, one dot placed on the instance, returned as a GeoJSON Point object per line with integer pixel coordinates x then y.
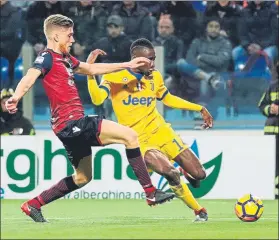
{"type": "Point", "coordinates": [162, 90]}
{"type": "Point", "coordinates": [105, 84]}
{"type": "Point", "coordinates": [75, 62]}
{"type": "Point", "coordinates": [43, 62]}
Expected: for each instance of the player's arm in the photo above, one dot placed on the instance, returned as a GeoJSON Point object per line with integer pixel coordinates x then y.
{"type": "Point", "coordinates": [26, 83]}
{"type": "Point", "coordinates": [41, 66]}
{"type": "Point", "coordinates": [97, 93]}
{"type": "Point", "coordinates": [22, 88]}
{"type": "Point", "coordinates": [177, 102]}
{"type": "Point", "coordinates": [173, 101]}
{"type": "Point", "coordinates": [103, 68]}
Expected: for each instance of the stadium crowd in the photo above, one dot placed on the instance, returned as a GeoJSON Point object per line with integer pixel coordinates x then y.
{"type": "Point", "coordinates": [203, 41]}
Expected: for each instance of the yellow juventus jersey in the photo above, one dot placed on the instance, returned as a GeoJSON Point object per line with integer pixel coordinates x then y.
{"type": "Point", "coordinates": [134, 98]}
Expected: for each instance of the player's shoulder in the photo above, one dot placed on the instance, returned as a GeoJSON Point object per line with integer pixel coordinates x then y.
{"type": "Point", "coordinates": [116, 76]}
{"type": "Point", "coordinates": [157, 75]}
{"type": "Point", "coordinates": [43, 56]}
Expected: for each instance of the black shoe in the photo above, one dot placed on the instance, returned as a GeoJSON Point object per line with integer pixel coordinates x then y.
{"type": "Point", "coordinates": [34, 213]}
{"type": "Point", "coordinates": [159, 197]}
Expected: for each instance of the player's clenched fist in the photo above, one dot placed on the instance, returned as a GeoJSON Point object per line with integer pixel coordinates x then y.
{"type": "Point", "coordinates": [208, 119]}
{"type": "Point", "coordinates": [11, 104]}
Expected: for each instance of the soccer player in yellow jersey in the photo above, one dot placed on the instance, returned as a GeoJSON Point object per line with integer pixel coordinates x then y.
{"type": "Point", "coordinates": [133, 94]}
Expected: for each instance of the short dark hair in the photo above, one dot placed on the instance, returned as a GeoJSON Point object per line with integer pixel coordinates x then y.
{"type": "Point", "coordinates": [141, 43]}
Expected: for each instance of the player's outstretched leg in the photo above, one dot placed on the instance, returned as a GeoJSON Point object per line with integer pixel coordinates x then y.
{"type": "Point", "coordinates": [191, 167]}
{"type": "Point", "coordinates": [159, 163]}
{"type": "Point", "coordinates": [112, 132]}
{"type": "Point", "coordinates": [82, 176]}
{"type": "Point", "coordinates": [193, 172]}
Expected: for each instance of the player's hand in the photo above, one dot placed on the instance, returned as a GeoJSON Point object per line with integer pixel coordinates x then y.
{"type": "Point", "coordinates": [94, 54]}
{"type": "Point", "coordinates": [11, 104]}
{"type": "Point", "coordinates": [274, 109]}
{"type": "Point", "coordinates": [208, 119]}
{"type": "Point", "coordinates": [138, 62]}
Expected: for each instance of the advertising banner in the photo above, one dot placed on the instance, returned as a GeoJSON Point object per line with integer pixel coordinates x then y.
{"type": "Point", "coordinates": [235, 165]}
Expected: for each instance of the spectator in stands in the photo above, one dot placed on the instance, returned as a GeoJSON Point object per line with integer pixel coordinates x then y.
{"type": "Point", "coordinates": [11, 38]}
{"type": "Point", "coordinates": [108, 6]}
{"type": "Point", "coordinates": [258, 31]}
{"type": "Point", "coordinates": [173, 51]}
{"type": "Point", "coordinates": [155, 7]}
{"type": "Point", "coordinates": [90, 24]}
{"type": "Point", "coordinates": [116, 43]}
{"type": "Point", "coordinates": [228, 14]}
{"type": "Point", "coordinates": [184, 19]}
{"type": "Point", "coordinates": [137, 21]}
{"type": "Point", "coordinates": [269, 106]}
{"type": "Point", "coordinates": [35, 16]}
{"type": "Point", "coordinates": [23, 4]}
{"type": "Point", "coordinates": [173, 46]}
{"type": "Point", "coordinates": [207, 56]}
{"type": "Point", "coordinates": [13, 124]}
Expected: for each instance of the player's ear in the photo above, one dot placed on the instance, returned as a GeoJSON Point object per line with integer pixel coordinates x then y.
{"type": "Point", "coordinates": [56, 38]}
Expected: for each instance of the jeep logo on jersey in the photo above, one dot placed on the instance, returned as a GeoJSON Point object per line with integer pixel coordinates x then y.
{"type": "Point", "coordinates": [138, 101]}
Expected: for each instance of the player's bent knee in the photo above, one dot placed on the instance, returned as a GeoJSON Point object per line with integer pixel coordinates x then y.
{"type": "Point", "coordinates": [202, 174]}
{"type": "Point", "coordinates": [81, 179]}
{"type": "Point", "coordinates": [199, 174]}
{"type": "Point", "coordinates": [172, 175]}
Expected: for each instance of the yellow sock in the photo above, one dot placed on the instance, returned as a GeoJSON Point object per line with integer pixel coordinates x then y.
{"type": "Point", "coordinates": [183, 192]}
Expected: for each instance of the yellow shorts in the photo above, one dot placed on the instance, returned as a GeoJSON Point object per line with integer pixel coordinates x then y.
{"type": "Point", "coordinates": [164, 140]}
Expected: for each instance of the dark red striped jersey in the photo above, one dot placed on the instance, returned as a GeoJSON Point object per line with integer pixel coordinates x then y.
{"type": "Point", "coordinates": [57, 74]}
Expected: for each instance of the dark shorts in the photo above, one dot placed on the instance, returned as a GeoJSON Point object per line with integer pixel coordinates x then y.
{"type": "Point", "coordinates": [78, 137]}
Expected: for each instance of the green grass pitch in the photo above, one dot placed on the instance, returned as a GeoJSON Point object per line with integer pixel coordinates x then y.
{"type": "Point", "coordinates": [133, 219]}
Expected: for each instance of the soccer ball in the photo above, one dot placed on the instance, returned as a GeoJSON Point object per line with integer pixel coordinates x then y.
{"type": "Point", "coordinates": [249, 208]}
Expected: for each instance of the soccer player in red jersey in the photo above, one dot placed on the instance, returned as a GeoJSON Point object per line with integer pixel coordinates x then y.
{"type": "Point", "coordinates": [56, 67]}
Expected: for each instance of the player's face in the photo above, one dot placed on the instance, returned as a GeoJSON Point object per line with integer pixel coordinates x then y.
{"type": "Point", "coordinates": [150, 54]}
{"type": "Point", "coordinates": [114, 31]}
{"type": "Point", "coordinates": [213, 29]}
{"type": "Point", "coordinates": [65, 39]}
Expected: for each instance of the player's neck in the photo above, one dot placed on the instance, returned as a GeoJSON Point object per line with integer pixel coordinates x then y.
{"type": "Point", "coordinates": [54, 47]}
